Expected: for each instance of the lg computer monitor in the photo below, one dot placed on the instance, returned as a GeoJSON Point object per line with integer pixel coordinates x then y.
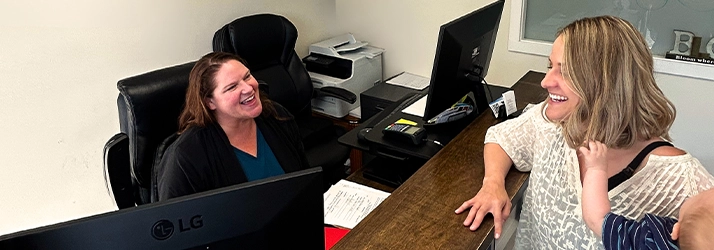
{"type": "Point", "coordinates": [281, 212]}
{"type": "Point", "coordinates": [462, 57]}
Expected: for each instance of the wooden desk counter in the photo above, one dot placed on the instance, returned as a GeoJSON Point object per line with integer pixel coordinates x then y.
{"type": "Point", "coordinates": [420, 213]}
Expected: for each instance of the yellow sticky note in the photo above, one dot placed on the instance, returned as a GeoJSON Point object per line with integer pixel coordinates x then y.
{"type": "Point", "coordinates": [405, 121]}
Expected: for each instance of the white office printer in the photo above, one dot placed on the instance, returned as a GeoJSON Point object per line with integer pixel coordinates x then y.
{"type": "Point", "coordinates": [345, 63]}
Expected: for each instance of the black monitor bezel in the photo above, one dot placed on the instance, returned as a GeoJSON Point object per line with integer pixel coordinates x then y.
{"type": "Point", "coordinates": [224, 221]}
{"type": "Point", "coordinates": [449, 81]}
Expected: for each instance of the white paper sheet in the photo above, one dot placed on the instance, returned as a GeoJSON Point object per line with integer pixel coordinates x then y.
{"type": "Point", "coordinates": [410, 80]}
{"type": "Point", "coordinates": [347, 203]}
{"type": "Point", "coordinates": [509, 99]}
{"type": "Point", "coordinates": [417, 108]}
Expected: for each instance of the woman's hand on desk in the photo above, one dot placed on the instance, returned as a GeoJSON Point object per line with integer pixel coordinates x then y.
{"type": "Point", "coordinates": [492, 198]}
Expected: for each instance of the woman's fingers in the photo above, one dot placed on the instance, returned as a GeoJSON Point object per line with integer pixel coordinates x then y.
{"type": "Point", "coordinates": [470, 216]}
{"type": "Point", "coordinates": [478, 212]}
{"type": "Point", "coordinates": [487, 200]}
{"type": "Point", "coordinates": [477, 219]}
{"type": "Point", "coordinates": [467, 204]}
{"type": "Point", "coordinates": [500, 218]}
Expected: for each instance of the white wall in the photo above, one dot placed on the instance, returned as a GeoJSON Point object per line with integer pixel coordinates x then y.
{"type": "Point", "coordinates": [408, 30]}
{"type": "Point", "coordinates": [59, 64]}
{"type": "Point", "coordinates": [692, 130]}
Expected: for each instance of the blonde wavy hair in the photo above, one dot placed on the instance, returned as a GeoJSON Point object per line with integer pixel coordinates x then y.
{"type": "Point", "coordinates": [610, 67]}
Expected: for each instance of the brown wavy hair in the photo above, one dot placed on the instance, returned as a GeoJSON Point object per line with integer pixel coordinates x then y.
{"type": "Point", "coordinates": [610, 67]}
{"type": "Point", "coordinates": [201, 83]}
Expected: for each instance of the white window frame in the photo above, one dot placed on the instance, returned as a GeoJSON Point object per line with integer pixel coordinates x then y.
{"type": "Point", "coordinates": [517, 43]}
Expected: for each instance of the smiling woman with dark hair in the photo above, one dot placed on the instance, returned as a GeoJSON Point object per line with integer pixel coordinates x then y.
{"type": "Point", "coordinates": [229, 132]}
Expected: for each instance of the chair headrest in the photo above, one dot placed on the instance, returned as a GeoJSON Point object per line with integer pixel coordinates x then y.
{"type": "Point", "coordinates": [267, 43]}
{"type": "Point", "coordinates": [149, 107]}
{"type": "Point", "coordinates": [275, 46]}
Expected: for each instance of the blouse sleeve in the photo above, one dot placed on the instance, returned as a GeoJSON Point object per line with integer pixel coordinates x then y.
{"type": "Point", "coordinates": [517, 137]}
{"type": "Point", "coordinates": [698, 179]}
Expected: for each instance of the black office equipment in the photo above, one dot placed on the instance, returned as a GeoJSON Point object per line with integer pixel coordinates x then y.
{"type": "Point", "coordinates": [363, 133]}
{"type": "Point", "coordinates": [279, 212]}
{"type": "Point", "coordinates": [396, 108]}
{"type": "Point", "coordinates": [406, 133]}
{"type": "Point", "coordinates": [461, 61]}
{"type": "Point", "coordinates": [379, 97]}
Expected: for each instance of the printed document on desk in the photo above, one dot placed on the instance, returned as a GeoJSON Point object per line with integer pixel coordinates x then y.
{"type": "Point", "coordinates": [347, 203]}
{"type": "Point", "coordinates": [409, 80]}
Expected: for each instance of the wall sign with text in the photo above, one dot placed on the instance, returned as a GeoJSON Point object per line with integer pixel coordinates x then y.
{"type": "Point", "coordinates": [687, 48]}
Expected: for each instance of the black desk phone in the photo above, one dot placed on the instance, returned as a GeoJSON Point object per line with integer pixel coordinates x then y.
{"type": "Point", "coordinates": [406, 133]}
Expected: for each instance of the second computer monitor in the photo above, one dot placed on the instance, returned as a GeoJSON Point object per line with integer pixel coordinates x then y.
{"type": "Point", "coordinates": [280, 212]}
{"type": "Point", "coordinates": [462, 57]}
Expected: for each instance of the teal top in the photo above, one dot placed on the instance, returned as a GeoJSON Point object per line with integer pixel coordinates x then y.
{"type": "Point", "coordinates": [262, 166]}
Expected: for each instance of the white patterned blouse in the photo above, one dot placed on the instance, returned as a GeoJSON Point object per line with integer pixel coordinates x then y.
{"type": "Point", "coordinates": [551, 217]}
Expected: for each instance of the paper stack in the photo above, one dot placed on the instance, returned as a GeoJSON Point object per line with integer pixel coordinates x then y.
{"type": "Point", "coordinates": [347, 203]}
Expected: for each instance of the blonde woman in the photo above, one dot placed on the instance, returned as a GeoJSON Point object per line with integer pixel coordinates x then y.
{"type": "Point", "coordinates": [601, 88]}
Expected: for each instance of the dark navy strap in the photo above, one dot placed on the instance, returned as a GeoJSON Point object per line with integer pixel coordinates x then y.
{"type": "Point", "coordinates": [626, 173]}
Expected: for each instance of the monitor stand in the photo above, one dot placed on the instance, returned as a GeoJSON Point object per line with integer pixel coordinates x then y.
{"type": "Point", "coordinates": [493, 92]}
{"type": "Point", "coordinates": [478, 90]}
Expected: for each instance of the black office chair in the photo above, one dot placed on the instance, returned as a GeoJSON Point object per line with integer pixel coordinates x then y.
{"type": "Point", "coordinates": [149, 106]}
{"type": "Point", "coordinates": [267, 43]}
{"type": "Point", "coordinates": [117, 173]}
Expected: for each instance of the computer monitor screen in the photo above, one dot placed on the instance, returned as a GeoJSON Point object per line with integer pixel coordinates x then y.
{"type": "Point", "coordinates": [462, 57]}
{"type": "Point", "coordinates": [280, 212]}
